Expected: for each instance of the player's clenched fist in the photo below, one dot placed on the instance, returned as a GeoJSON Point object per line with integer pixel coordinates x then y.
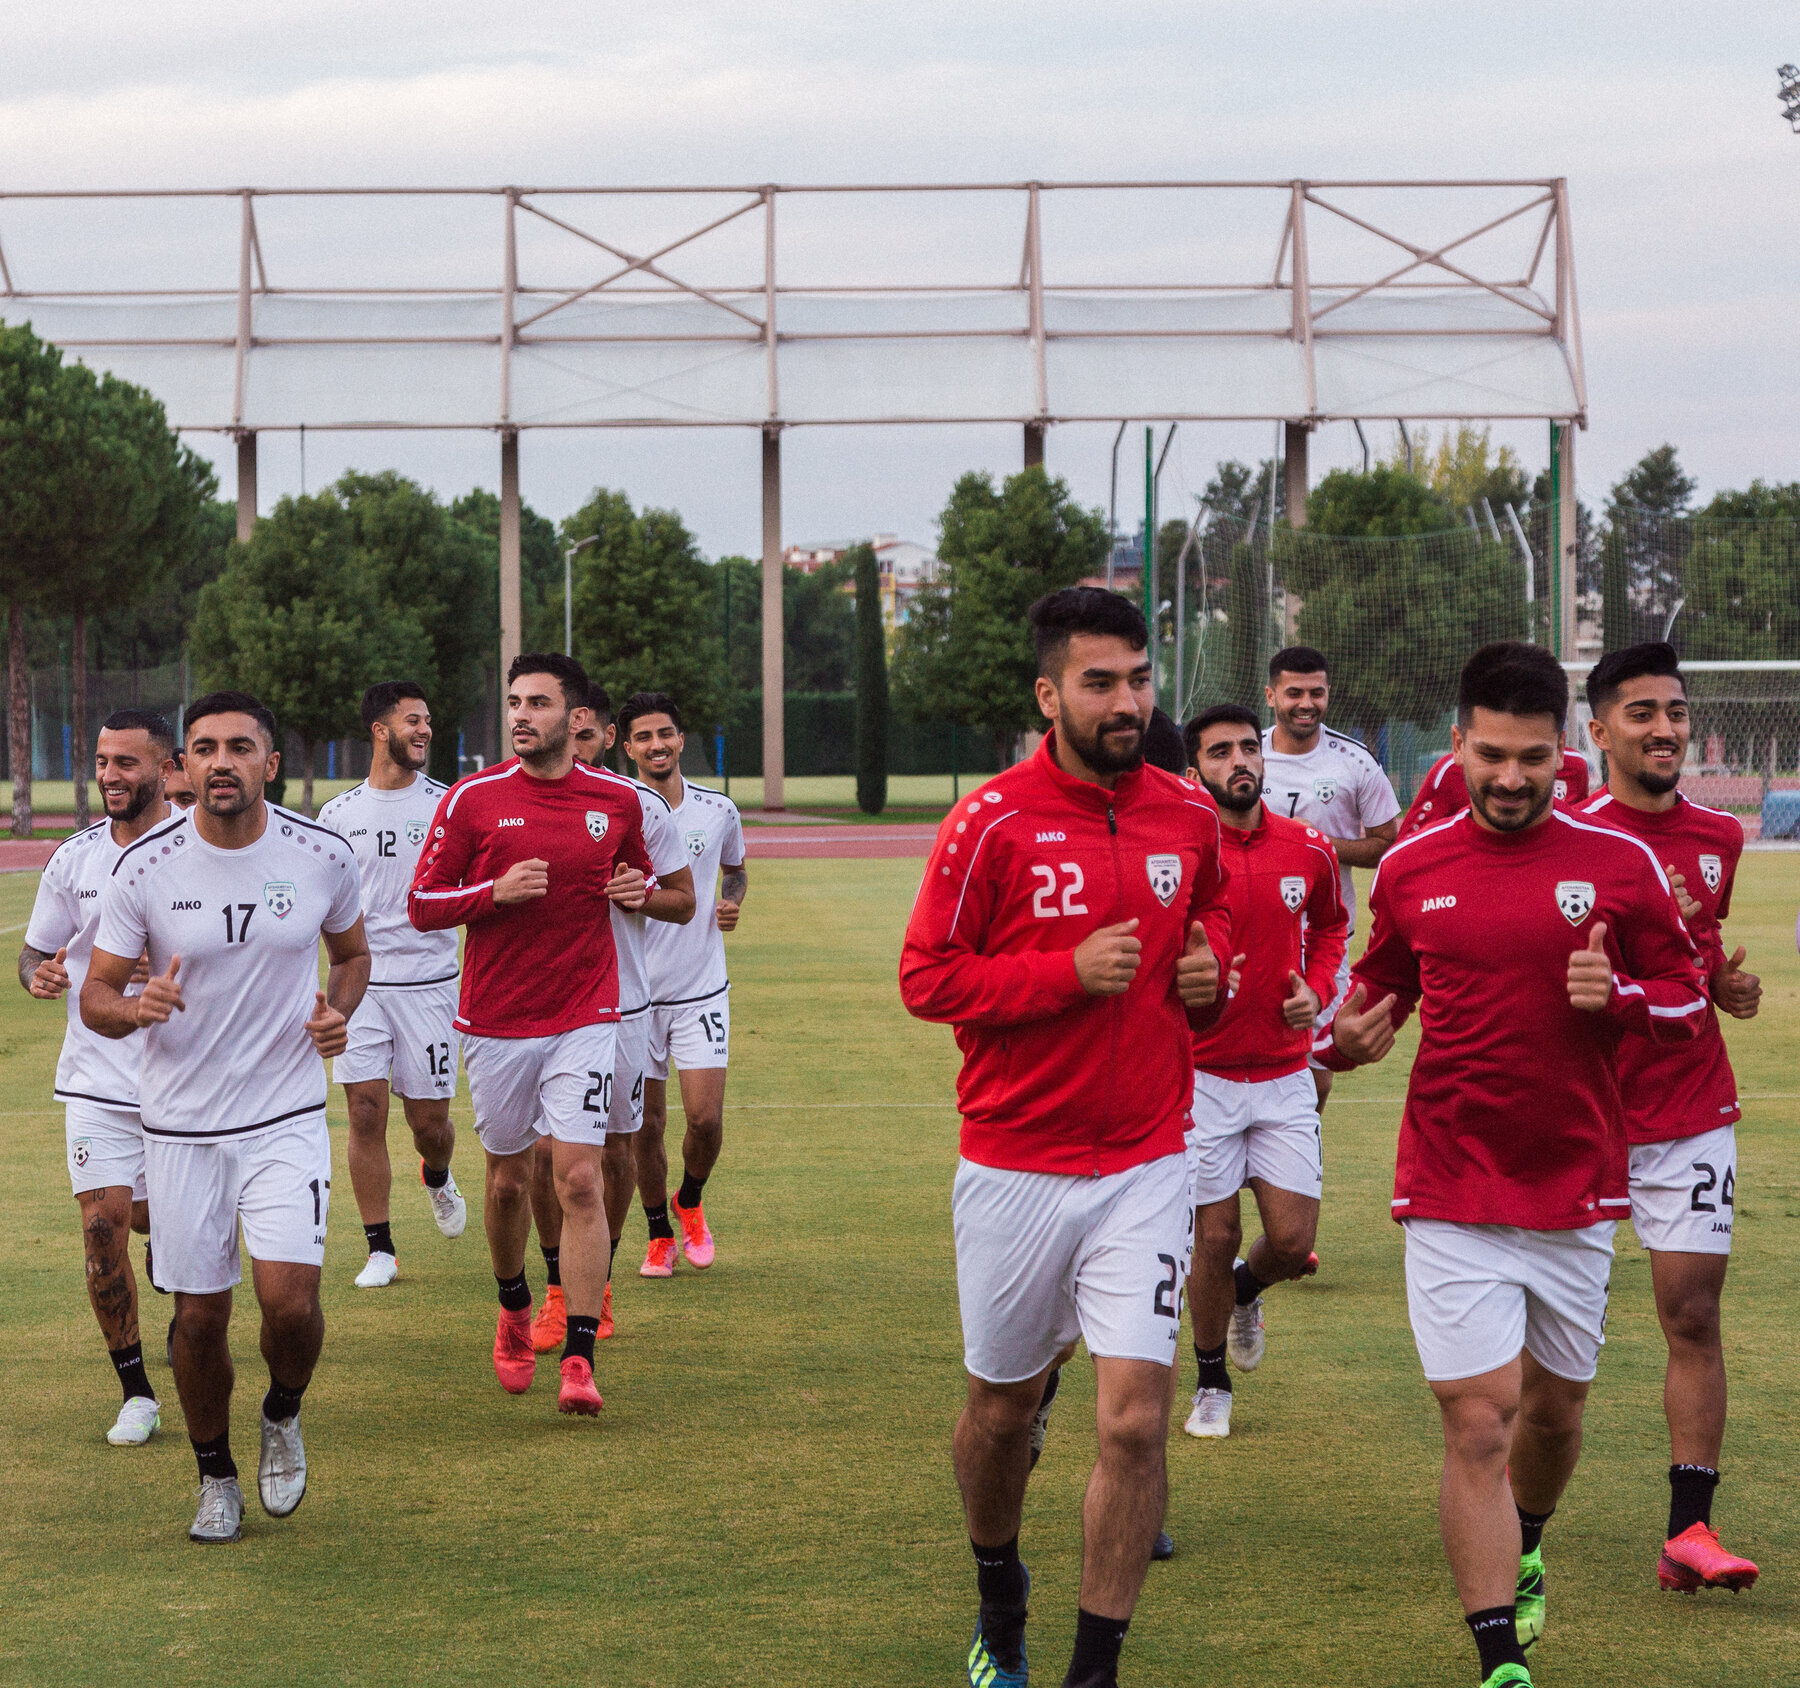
{"type": "Point", "coordinates": [1301, 1005]}
{"type": "Point", "coordinates": [1363, 1034]}
{"type": "Point", "coordinates": [1197, 972]}
{"type": "Point", "coordinates": [727, 915]}
{"type": "Point", "coordinates": [328, 1029]}
{"type": "Point", "coordinates": [160, 998]}
{"type": "Point", "coordinates": [50, 978]}
{"type": "Point", "coordinates": [1590, 973]}
{"type": "Point", "coordinates": [1678, 884]}
{"type": "Point", "coordinates": [1106, 960]}
{"type": "Point", "coordinates": [627, 887]}
{"type": "Point", "coordinates": [1737, 992]}
{"type": "Point", "coordinates": [522, 882]}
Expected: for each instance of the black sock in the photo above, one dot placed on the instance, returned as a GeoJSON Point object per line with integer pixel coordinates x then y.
{"type": "Point", "coordinates": [380, 1238]}
{"type": "Point", "coordinates": [281, 1402]}
{"type": "Point", "coordinates": [614, 1255]}
{"type": "Point", "coordinates": [688, 1195]}
{"type": "Point", "coordinates": [1496, 1638]}
{"type": "Point", "coordinates": [1531, 1527]}
{"type": "Point", "coordinates": [1690, 1494]}
{"type": "Point", "coordinates": [215, 1457]}
{"type": "Point", "coordinates": [515, 1294]}
{"type": "Point", "coordinates": [129, 1364]}
{"type": "Point", "coordinates": [658, 1219]}
{"type": "Point", "coordinates": [578, 1340]}
{"type": "Point", "coordinates": [1095, 1662]}
{"type": "Point", "coordinates": [1001, 1580]}
{"type": "Point", "coordinates": [1249, 1285]}
{"type": "Point", "coordinates": [436, 1177]}
{"type": "Point", "coordinates": [1213, 1374]}
{"type": "Point", "coordinates": [552, 1264]}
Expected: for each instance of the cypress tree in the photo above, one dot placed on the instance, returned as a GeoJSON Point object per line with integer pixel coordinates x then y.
{"type": "Point", "coordinates": [871, 684]}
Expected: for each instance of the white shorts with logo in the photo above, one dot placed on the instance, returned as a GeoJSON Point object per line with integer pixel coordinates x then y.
{"type": "Point", "coordinates": [697, 1034]}
{"type": "Point", "coordinates": [1042, 1258]}
{"type": "Point", "coordinates": [275, 1182]}
{"type": "Point", "coordinates": [1684, 1193]}
{"type": "Point", "coordinates": [629, 1063]}
{"type": "Point", "coordinates": [406, 1036]}
{"type": "Point", "coordinates": [1340, 990]}
{"type": "Point", "coordinates": [1267, 1128]}
{"type": "Point", "coordinates": [525, 1088]}
{"type": "Point", "coordinates": [1477, 1294]}
{"type": "Point", "coordinates": [105, 1148]}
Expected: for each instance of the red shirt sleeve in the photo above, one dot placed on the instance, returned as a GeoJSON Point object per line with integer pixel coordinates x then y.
{"type": "Point", "coordinates": [439, 898]}
{"type": "Point", "coordinates": [1388, 968]}
{"type": "Point", "coordinates": [1327, 929]}
{"type": "Point", "coordinates": [1657, 991]}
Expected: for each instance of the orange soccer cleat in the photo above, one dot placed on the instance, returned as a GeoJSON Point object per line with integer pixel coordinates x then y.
{"type": "Point", "coordinates": [578, 1394]}
{"type": "Point", "coordinates": [514, 1362]}
{"type": "Point", "coordinates": [605, 1328]}
{"type": "Point", "coordinates": [659, 1259]}
{"type": "Point", "coordinates": [1694, 1560]}
{"type": "Point", "coordinates": [1311, 1268]}
{"type": "Point", "coordinates": [551, 1324]}
{"type": "Point", "coordinates": [696, 1239]}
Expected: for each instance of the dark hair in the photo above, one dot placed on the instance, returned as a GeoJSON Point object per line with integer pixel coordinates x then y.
{"type": "Point", "coordinates": [1218, 714]}
{"type": "Point", "coordinates": [385, 696]}
{"type": "Point", "coordinates": [647, 703]}
{"type": "Point", "coordinates": [570, 675]}
{"type": "Point", "coordinates": [1611, 672]}
{"type": "Point", "coordinates": [162, 735]}
{"type": "Point", "coordinates": [1162, 743]}
{"type": "Point", "coordinates": [1298, 659]}
{"type": "Point", "coordinates": [230, 703]}
{"type": "Point", "coordinates": [599, 699]}
{"type": "Point", "coordinates": [1512, 678]}
{"type": "Point", "coordinates": [1058, 616]}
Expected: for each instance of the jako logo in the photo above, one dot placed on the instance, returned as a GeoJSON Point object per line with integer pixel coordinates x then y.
{"type": "Point", "coordinates": [510, 820]}
{"type": "Point", "coordinates": [1052, 837]}
{"type": "Point", "coordinates": [173, 907]}
{"type": "Point", "coordinates": [1436, 902]}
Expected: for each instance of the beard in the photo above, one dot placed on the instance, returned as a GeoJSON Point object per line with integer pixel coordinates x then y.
{"type": "Point", "coordinates": [1238, 802]}
{"type": "Point", "coordinates": [1540, 801]}
{"type": "Point", "coordinates": [233, 802]}
{"type": "Point", "coordinates": [139, 798]}
{"type": "Point", "coordinates": [402, 755]}
{"type": "Point", "coordinates": [552, 742]}
{"type": "Point", "coordinates": [1102, 756]}
{"type": "Point", "coordinates": [1657, 785]}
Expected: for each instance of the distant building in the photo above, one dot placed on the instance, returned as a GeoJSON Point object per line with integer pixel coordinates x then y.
{"type": "Point", "coordinates": [905, 568]}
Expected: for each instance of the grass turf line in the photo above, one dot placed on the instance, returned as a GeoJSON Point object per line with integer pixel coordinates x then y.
{"type": "Point", "coordinates": [767, 1498]}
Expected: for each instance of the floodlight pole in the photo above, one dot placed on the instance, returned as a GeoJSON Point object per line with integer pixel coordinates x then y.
{"type": "Point", "coordinates": [512, 614]}
{"type": "Point", "coordinates": [1564, 551]}
{"type": "Point", "coordinates": [774, 683]}
{"type": "Point", "coordinates": [569, 591]}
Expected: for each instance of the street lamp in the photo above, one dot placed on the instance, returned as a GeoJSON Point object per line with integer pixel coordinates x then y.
{"type": "Point", "coordinates": [1790, 95]}
{"type": "Point", "coordinates": [569, 591]}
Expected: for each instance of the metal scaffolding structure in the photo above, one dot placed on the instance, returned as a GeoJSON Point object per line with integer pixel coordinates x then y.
{"type": "Point", "coordinates": [1352, 320]}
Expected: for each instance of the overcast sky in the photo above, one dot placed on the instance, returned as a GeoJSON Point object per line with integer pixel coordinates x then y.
{"type": "Point", "coordinates": [1685, 183]}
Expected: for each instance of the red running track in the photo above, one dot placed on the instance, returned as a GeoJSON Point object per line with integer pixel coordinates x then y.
{"type": "Point", "coordinates": [766, 843]}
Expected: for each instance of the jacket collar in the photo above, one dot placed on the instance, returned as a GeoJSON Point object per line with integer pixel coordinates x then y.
{"type": "Point", "coordinates": [1245, 838]}
{"type": "Point", "coordinates": [1084, 793]}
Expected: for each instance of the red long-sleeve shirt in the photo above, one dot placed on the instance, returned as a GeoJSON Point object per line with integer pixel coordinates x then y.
{"type": "Point", "coordinates": [1287, 916]}
{"type": "Point", "coordinates": [1444, 792]}
{"type": "Point", "coordinates": [1513, 1114]}
{"type": "Point", "coordinates": [537, 968]}
{"type": "Point", "coordinates": [1055, 1080]}
{"type": "Point", "coordinates": [1676, 1090]}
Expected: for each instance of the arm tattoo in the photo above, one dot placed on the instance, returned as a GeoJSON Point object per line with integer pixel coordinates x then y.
{"type": "Point", "coordinates": [733, 883]}
{"type": "Point", "coordinates": [28, 964]}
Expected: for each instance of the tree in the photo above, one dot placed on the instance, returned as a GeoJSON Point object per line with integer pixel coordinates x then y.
{"type": "Point", "coordinates": [1385, 503]}
{"type": "Point", "coordinates": [1464, 468]}
{"type": "Point", "coordinates": [298, 619]}
{"type": "Point", "coordinates": [871, 682]}
{"type": "Point", "coordinates": [1238, 491]}
{"type": "Point", "coordinates": [1642, 549]}
{"type": "Point", "coordinates": [1760, 501]}
{"type": "Point", "coordinates": [965, 654]}
{"type": "Point", "coordinates": [818, 624]}
{"type": "Point", "coordinates": [154, 629]}
{"type": "Point", "coordinates": [540, 568]}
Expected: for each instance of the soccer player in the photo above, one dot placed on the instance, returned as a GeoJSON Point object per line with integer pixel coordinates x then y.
{"type": "Point", "coordinates": [403, 1033]}
{"type": "Point", "coordinates": [592, 732]}
{"type": "Point", "coordinates": [177, 787]}
{"type": "Point", "coordinates": [1532, 942]}
{"type": "Point", "coordinates": [531, 856]}
{"type": "Point", "coordinates": [96, 1077]}
{"type": "Point", "coordinates": [230, 902]}
{"type": "Point", "coordinates": [1067, 927]}
{"type": "Point", "coordinates": [1326, 781]}
{"type": "Point", "coordinates": [1255, 1115]}
{"type": "Point", "coordinates": [1443, 792]}
{"type": "Point", "coordinates": [1681, 1100]}
{"type": "Point", "coordinates": [690, 1016]}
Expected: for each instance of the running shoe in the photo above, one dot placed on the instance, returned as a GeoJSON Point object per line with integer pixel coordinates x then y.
{"type": "Point", "coordinates": [1162, 1548]}
{"type": "Point", "coordinates": [447, 1205]}
{"type": "Point", "coordinates": [1244, 1342]}
{"type": "Point", "coordinates": [221, 1514]}
{"type": "Point", "coordinates": [137, 1419]}
{"type": "Point", "coordinates": [551, 1323]}
{"type": "Point", "coordinates": [379, 1272]}
{"type": "Point", "coordinates": [281, 1472]}
{"type": "Point", "coordinates": [605, 1327]}
{"type": "Point", "coordinates": [578, 1394]}
{"type": "Point", "coordinates": [1211, 1415]}
{"type": "Point", "coordinates": [659, 1259]}
{"type": "Point", "coordinates": [515, 1361]}
{"type": "Point", "coordinates": [1040, 1420]}
{"type": "Point", "coordinates": [1508, 1676]}
{"type": "Point", "coordinates": [1694, 1560]}
{"type": "Point", "coordinates": [1311, 1268]}
{"type": "Point", "coordinates": [696, 1239]}
{"type": "Point", "coordinates": [986, 1671]}
{"type": "Point", "coordinates": [1528, 1598]}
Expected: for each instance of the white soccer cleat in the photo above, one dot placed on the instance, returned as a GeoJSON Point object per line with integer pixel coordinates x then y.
{"type": "Point", "coordinates": [1245, 1342]}
{"type": "Point", "coordinates": [1211, 1415]}
{"type": "Point", "coordinates": [221, 1514]}
{"type": "Point", "coordinates": [137, 1419]}
{"type": "Point", "coordinates": [380, 1271]}
{"type": "Point", "coordinates": [281, 1473]}
{"type": "Point", "coordinates": [448, 1207]}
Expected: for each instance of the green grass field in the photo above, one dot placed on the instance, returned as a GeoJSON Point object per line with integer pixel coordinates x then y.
{"type": "Point", "coordinates": [768, 1497]}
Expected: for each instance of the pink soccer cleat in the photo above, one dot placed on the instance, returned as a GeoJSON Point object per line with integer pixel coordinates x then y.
{"type": "Point", "coordinates": [696, 1238]}
{"type": "Point", "coordinates": [515, 1362]}
{"type": "Point", "coordinates": [1694, 1560]}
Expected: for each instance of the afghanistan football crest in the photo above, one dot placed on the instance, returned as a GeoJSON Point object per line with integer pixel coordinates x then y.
{"type": "Point", "coordinates": [1324, 790]}
{"type": "Point", "coordinates": [80, 1150]}
{"type": "Point", "coordinates": [278, 895]}
{"type": "Point", "coordinates": [1293, 891]}
{"type": "Point", "coordinates": [415, 832]}
{"type": "Point", "coordinates": [1575, 897]}
{"type": "Point", "coordinates": [1712, 870]}
{"type": "Point", "coordinates": [696, 843]}
{"type": "Point", "coordinates": [596, 824]}
{"type": "Point", "coordinates": [1165, 877]}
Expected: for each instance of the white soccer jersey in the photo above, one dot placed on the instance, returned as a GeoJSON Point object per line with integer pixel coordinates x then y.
{"type": "Point", "coordinates": [387, 830]}
{"type": "Point", "coordinates": [688, 962]}
{"type": "Point", "coordinates": [246, 925]}
{"type": "Point", "coordinates": [1337, 786]}
{"type": "Point", "coordinates": [66, 914]}
{"type": "Point", "coordinates": [668, 854]}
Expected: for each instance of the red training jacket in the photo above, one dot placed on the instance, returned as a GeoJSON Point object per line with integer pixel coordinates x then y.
{"type": "Point", "coordinates": [1513, 1115]}
{"type": "Point", "coordinates": [1287, 915]}
{"type": "Point", "coordinates": [543, 967]}
{"type": "Point", "coordinates": [1055, 1080]}
{"type": "Point", "coordinates": [1682, 1089]}
{"type": "Point", "coordinates": [1443, 792]}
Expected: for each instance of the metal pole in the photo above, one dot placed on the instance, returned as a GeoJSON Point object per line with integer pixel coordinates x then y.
{"type": "Point", "coordinates": [246, 483]}
{"type": "Point", "coordinates": [774, 685]}
{"type": "Point", "coordinates": [724, 742]}
{"type": "Point", "coordinates": [1112, 510]}
{"type": "Point", "coordinates": [1295, 469]}
{"type": "Point", "coordinates": [1512, 517]}
{"type": "Point", "coordinates": [1150, 545]}
{"type": "Point", "coordinates": [1148, 570]}
{"type": "Point", "coordinates": [569, 601]}
{"type": "Point", "coordinates": [1568, 540]}
{"type": "Point", "coordinates": [512, 611]}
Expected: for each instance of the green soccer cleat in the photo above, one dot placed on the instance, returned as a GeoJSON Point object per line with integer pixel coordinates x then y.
{"type": "Point", "coordinates": [986, 1671]}
{"type": "Point", "coordinates": [1528, 1604]}
{"type": "Point", "coordinates": [1509, 1676]}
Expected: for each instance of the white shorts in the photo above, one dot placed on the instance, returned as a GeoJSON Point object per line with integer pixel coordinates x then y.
{"type": "Point", "coordinates": [1042, 1258]}
{"type": "Point", "coordinates": [1340, 990]}
{"type": "Point", "coordinates": [276, 1183]}
{"type": "Point", "coordinates": [1267, 1129]}
{"type": "Point", "coordinates": [1477, 1294]}
{"type": "Point", "coordinates": [697, 1034]}
{"type": "Point", "coordinates": [525, 1088]}
{"type": "Point", "coordinates": [1684, 1193]}
{"type": "Point", "coordinates": [407, 1038]}
{"type": "Point", "coordinates": [106, 1148]}
{"type": "Point", "coordinates": [629, 1063]}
